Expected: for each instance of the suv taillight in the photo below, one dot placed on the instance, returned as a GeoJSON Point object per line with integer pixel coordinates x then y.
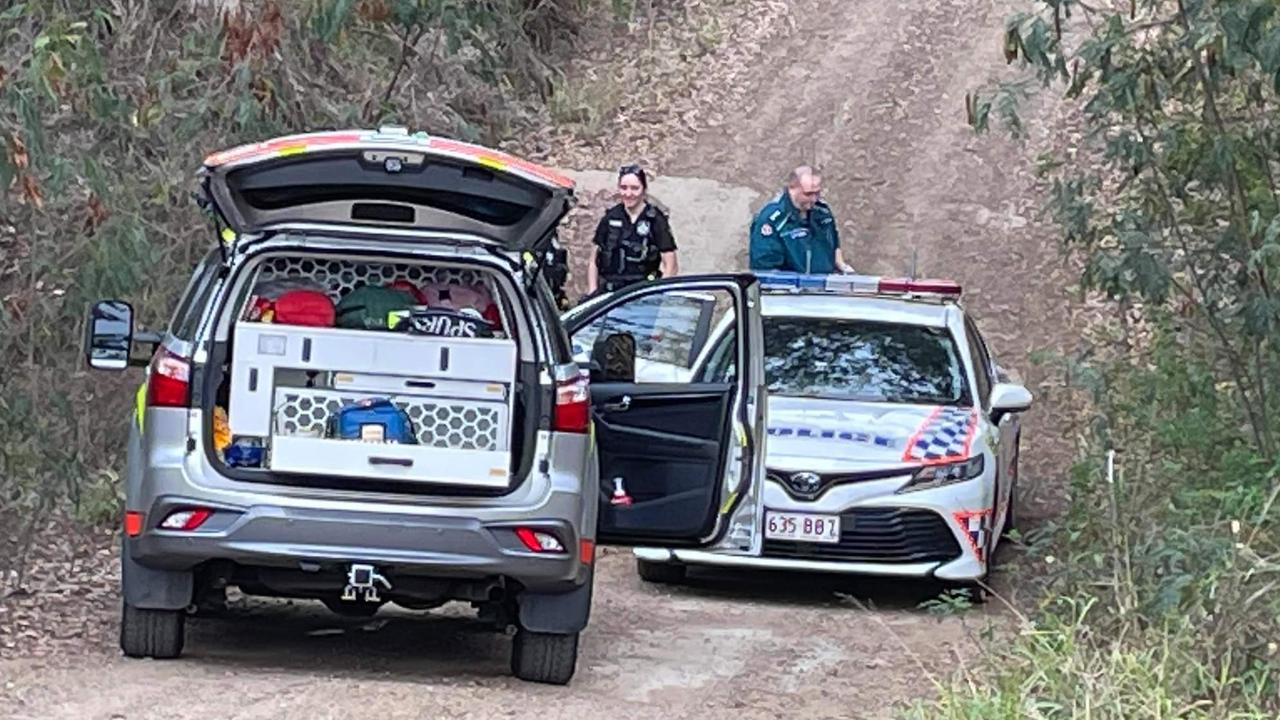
{"type": "Point", "coordinates": [573, 405]}
{"type": "Point", "coordinates": [170, 382]}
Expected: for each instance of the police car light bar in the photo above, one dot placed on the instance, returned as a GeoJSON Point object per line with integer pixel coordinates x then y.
{"type": "Point", "coordinates": [857, 284]}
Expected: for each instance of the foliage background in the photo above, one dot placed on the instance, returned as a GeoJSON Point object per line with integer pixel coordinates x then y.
{"type": "Point", "coordinates": [1159, 582]}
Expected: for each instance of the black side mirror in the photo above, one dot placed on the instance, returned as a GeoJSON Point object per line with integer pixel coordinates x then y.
{"type": "Point", "coordinates": [109, 336]}
{"type": "Point", "coordinates": [613, 358]}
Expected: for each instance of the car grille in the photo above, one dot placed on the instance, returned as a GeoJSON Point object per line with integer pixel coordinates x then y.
{"type": "Point", "coordinates": [878, 535]}
{"type": "Point", "coordinates": [826, 481]}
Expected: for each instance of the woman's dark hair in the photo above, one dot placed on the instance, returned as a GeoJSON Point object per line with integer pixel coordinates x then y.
{"type": "Point", "coordinates": [634, 169]}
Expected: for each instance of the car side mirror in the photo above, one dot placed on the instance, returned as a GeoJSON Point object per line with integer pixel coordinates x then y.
{"type": "Point", "coordinates": [110, 335]}
{"type": "Point", "coordinates": [1008, 398]}
{"type": "Point", "coordinates": [613, 358]}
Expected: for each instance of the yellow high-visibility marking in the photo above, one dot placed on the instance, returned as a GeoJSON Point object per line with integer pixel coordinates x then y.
{"type": "Point", "coordinates": [140, 405]}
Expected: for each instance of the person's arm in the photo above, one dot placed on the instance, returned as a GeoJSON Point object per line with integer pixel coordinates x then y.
{"type": "Point", "coordinates": [666, 244]}
{"type": "Point", "coordinates": [841, 265]}
{"type": "Point", "coordinates": [670, 266]}
{"type": "Point", "coordinates": [593, 276]}
{"type": "Point", "coordinates": [766, 252]}
{"type": "Point", "coordinates": [593, 272]}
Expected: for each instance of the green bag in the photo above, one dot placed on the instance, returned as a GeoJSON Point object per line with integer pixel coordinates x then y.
{"type": "Point", "coordinates": [368, 307]}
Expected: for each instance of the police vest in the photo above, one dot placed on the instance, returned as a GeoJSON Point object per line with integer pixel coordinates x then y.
{"type": "Point", "coordinates": [630, 251]}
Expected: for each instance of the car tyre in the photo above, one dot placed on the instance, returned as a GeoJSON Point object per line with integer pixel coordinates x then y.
{"type": "Point", "coordinates": [544, 657]}
{"type": "Point", "coordinates": [1010, 512]}
{"type": "Point", "coordinates": [155, 634]}
{"type": "Point", "coordinates": [662, 573]}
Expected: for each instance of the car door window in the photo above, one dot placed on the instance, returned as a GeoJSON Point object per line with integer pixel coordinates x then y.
{"type": "Point", "coordinates": [191, 308]}
{"type": "Point", "coordinates": [665, 332]}
{"type": "Point", "coordinates": [719, 363]}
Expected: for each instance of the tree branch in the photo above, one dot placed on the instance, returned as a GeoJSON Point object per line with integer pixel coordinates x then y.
{"type": "Point", "coordinates": [406, 46]}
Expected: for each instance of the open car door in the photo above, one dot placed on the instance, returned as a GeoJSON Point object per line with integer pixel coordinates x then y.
{"type": "Point", "coordinates": [678, 455]}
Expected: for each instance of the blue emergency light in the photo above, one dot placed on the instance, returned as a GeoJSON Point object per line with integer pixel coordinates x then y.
{"type": "Point", "coordinates": [851, 284]}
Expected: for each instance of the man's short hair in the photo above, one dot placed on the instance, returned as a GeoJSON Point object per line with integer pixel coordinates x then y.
{"type": "Point", "coordinates": [802, 172]}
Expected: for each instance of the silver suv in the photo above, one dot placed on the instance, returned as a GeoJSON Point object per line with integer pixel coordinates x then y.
{"type": "Point", "coordinates": [366, 395]}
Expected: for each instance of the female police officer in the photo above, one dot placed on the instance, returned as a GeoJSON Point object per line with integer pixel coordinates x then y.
{"type": "Point", "coordinates": [633, 241]}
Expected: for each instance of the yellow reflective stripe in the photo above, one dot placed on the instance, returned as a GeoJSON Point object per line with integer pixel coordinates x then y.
{"type": "Point", "coordinates": [728, 502]}
{"type": "Point", "coordinates": [140, 404]}
{"type": "Point", "coordinates": [286, 150]}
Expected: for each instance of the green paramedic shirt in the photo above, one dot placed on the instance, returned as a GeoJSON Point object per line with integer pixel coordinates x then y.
{"type": "Point", "coordinates": [782, 240]}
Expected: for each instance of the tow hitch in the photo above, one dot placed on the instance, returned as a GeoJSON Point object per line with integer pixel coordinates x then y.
{"type": "Point", "coordinates": [362, 580]}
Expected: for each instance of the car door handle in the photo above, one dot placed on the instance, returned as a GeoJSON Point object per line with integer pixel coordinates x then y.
{"type": "Point", "coordinates": [621, 406]}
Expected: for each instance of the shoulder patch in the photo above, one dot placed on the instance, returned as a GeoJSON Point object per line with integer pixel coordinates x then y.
{"type": "Point", "coordinates": [766, 229]}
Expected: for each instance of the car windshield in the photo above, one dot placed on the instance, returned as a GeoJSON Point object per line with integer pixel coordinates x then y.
{"type": "Point", "coordinates": [862, 360]}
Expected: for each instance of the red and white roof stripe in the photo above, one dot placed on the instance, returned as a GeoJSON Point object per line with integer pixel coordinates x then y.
{"type": "Point", "coordinates": [355, 139]}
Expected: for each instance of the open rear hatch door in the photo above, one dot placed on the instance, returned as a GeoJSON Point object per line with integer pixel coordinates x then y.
{"type": "Point", "coordinates": [385, 179]}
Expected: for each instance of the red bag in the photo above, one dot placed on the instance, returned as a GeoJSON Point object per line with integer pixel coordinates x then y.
{"type": "Point", "coordinates": [304, 307]}
{"type": "Point", "coordinates": [410, 288]}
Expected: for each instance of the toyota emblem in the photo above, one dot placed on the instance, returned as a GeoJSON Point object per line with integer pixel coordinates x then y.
{"type": "Point", "coordinates": [806, 483]}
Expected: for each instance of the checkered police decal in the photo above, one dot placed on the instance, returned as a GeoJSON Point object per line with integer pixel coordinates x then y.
{"type": "Point", "coordinates": [976, 525]}
{"type": "Point", "coordinates": [944, 436]}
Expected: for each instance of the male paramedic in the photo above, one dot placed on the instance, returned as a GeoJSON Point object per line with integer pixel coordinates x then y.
{"type": "Point", "coordinates": [795, 231]}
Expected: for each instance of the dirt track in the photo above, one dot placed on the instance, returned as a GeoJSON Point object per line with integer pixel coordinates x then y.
{"type": "Point", "coordinates": [874, 92]}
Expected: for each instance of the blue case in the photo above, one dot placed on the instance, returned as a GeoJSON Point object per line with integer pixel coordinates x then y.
{"type": "Point", "coordinates": [373, 420]}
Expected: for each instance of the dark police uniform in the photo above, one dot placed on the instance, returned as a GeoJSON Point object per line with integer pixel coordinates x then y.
{"type": "Point", "coordinates": [783, 240]}
{"type": "Point", "coordinates": [627, 252]}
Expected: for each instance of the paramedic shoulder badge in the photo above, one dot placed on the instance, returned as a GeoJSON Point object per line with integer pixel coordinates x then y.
{"type": "Point", "coordinates": [766, 229]}
{"type": "Point", "coordinates": [642, 227]}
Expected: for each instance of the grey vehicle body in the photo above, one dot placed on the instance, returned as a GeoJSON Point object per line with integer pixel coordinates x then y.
{"type": "Point", "coordinates": [418, 545]}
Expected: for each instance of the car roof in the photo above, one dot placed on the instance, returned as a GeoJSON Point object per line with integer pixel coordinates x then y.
{"type": "Point", "coordinates": [859, 307]}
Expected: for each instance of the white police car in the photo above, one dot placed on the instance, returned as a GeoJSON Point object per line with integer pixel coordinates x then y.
{"type": "Point", "coordinates": [893, 434]}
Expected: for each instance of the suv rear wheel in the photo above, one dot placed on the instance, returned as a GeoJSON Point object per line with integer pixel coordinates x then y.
{"type": "Point", "coordinates": [151, 633]}
{"type": "Point", "coordinates": [544, 657]}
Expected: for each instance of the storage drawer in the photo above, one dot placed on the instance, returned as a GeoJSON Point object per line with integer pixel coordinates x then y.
{"type": "Point", "coordinates": [451, 423]}
{"type": "Point", "coordinates": [389, 461]}
{"type": "Point", "coordinates": [453, 367]}
{"type": "Point", "coordinates": [339, 349]}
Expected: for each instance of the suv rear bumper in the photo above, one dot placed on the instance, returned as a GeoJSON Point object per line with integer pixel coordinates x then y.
{"type": "Point", "coordinates": [406, 544]}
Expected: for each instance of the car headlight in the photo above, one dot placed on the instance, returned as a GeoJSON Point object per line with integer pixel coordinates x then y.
{"type": "Point", "coordinates": [932, 476]}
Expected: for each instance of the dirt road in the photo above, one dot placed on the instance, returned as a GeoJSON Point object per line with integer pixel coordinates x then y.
{"type": "Point", "coordinates": [720, 648]}
{"type": "Point", "coordinates": [872, 90]}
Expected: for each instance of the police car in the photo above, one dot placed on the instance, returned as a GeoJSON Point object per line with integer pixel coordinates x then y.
{"type": "Point", "coordinates": [892, 432]}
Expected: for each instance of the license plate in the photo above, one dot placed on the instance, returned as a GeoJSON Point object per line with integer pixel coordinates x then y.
{"type": "Point", "coordinates": [801, 527]}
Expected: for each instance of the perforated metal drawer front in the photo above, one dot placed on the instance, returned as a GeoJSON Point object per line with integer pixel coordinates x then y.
{"type": "Point", "coordinates": [341, 277]}
{"type": "Point", "coordinates": [437, 422]}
